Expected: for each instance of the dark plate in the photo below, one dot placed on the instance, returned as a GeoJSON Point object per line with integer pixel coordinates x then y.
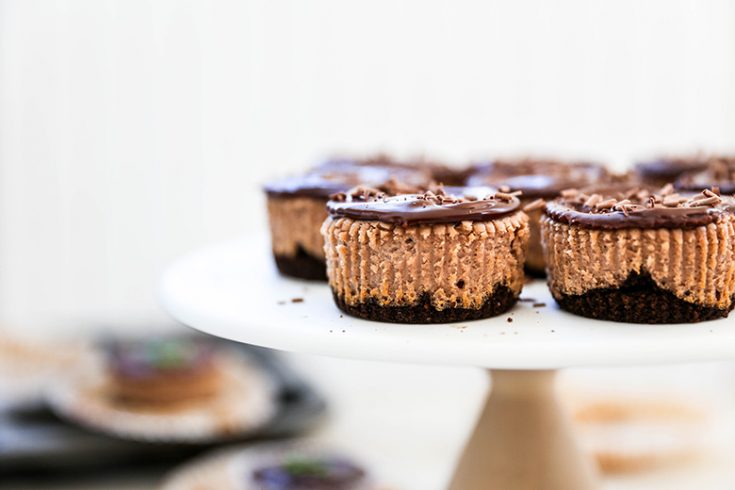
{"type": "Point", "coordinates": [34, 442]}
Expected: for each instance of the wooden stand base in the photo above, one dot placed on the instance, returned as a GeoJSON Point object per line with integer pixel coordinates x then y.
{"type": "Point", "coordinates": [523, 440]}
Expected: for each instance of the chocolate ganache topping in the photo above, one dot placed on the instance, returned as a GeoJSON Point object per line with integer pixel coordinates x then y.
{"type": "Point", "coordinates": [639, 208]}
{"type": "Point", "coordinates": [434, 206]}
{"type": "Point", "coordinates": [340, 175]}
{"type": "Point", "coordinates": [538, 178]}
{"type": "Point", "coordinates": [720, 172]}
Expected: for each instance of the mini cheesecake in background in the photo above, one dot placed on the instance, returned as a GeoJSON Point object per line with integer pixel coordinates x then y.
{"type": "Point", "coordinates": [538, 179]}
{"type": "Point", "coordinates": [430, 257]}
{"type": "Point", "coordinates": [163, 373]}
{"type": "Point", "coordinates": [641, 257]}
{"type": "Point", "coordinates": [448, 175]}
{"type": "Point", "coordinates": [719, 172]}
{"type": "Point", "coordinates": [297, 207]}
{"type": "Point", "coordinates": [309, 472]}
{"type": "Point", "coordinates": [658, 172]}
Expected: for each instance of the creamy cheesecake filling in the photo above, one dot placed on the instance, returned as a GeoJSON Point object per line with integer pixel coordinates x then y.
{"type": "Point", "coordinates": [696, 265]}
{"type": "Point", "coordinates": [295, 222]}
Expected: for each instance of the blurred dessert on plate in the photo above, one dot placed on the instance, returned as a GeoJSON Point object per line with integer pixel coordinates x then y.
{"type": "Point", "coordinates": [166, 390]}
{"type": "Point", "coordinates": [163, 372]}
{"type": "Point", "coordinates": [633, 434]}
{"type": "Point", "coordinates": [281, 466]}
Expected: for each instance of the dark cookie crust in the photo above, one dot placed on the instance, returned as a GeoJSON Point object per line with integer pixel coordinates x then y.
{"type": "Point", "coordinates": [499, 302]}
{"type": "Point", "coordinates": [302, 266]}
{"type": "Point", "coordinates": [637, 300]}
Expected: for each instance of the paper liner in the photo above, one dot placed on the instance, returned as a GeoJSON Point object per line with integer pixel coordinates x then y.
{"type": "Point", "coordinates": [455, 266]}
{"type": "Point", "coordinates": [696, 265]}
{"type": "Point", "coordinates": [246, 402]}
{"type": "Point", "coordinates": [229, 469]}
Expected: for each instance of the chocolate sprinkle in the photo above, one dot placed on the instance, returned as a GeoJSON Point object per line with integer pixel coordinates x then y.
{"type": "Point", "coordinates": [638, 208]}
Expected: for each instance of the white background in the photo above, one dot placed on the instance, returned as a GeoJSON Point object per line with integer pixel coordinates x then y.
{"type": "Point", "coordinates": [132, 131]}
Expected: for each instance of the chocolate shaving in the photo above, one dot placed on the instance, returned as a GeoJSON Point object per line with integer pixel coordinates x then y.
{"type": "Point", "coordinates": [593, 200]}
{"type": "Point", "coordinates": [709, 201]}
{"type": "Point", "coordinates": [673, 200]}
{"type": "Point", "coordinates": [637, 199]}
{"type": "Point", "coordinates": [534, 205]}
{"type": "Point", "coordinates": [606, 204]}
{"type": "Point", "coordinates": [666, 190]}
{"type": "Point", "coordinates": [503, 196]}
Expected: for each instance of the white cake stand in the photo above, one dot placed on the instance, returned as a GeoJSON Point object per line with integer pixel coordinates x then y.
{"type": "Point", "coordinates": [523, 439]}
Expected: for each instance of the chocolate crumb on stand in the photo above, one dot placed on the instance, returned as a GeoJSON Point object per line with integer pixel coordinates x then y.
{"type": "Point", "coordinates": [640, 256]}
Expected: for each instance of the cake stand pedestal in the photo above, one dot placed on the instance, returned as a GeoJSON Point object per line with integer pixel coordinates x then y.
{"type": "Point", "coordinates": [523, 439]}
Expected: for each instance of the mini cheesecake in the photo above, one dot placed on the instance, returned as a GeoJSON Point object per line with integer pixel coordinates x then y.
{"type": "Point", "coordinates": [309, 473]}
{"type": "Point", "coordinates": [297, 208]}
{"type": "Point", "coordinates": [162, 373]}
{"type": "Point", "coordinates": [432, 257]}
{"type": "Point", "coordinates": [641, 257]}
{"type": "Point", "coordinates": [664, 170]}
{"type": "Point", "coordinates": [719, 172]}
{"type": "Point", "coordinates": [538, 179]}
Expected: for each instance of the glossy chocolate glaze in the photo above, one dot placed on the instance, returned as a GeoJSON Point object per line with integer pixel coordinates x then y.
{"type": "Point", "coordinates": [639, 212]}
{"type": "Point", "coordinates": [668, 169]}
{"type": "Point", "coordinates": [428, 208]}
{"type": "Point", "coordinates": [538, 178]}
{"type": "Point", "coordinates": [341, 175]}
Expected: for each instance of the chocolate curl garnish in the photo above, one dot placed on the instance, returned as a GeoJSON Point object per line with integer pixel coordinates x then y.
{"type": "Point", "coordinates": [593, 200]}
{"type": "Point", "coordinates": [507, 196]}
{"type": "Point", "coordinates": [534, 205]}
{"type": "Point", "coordinates": [607, 204]}
{"type": "Point", "coordinates": [707, 201]}
{"type": "Point", "coordinates": [673, 200]}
